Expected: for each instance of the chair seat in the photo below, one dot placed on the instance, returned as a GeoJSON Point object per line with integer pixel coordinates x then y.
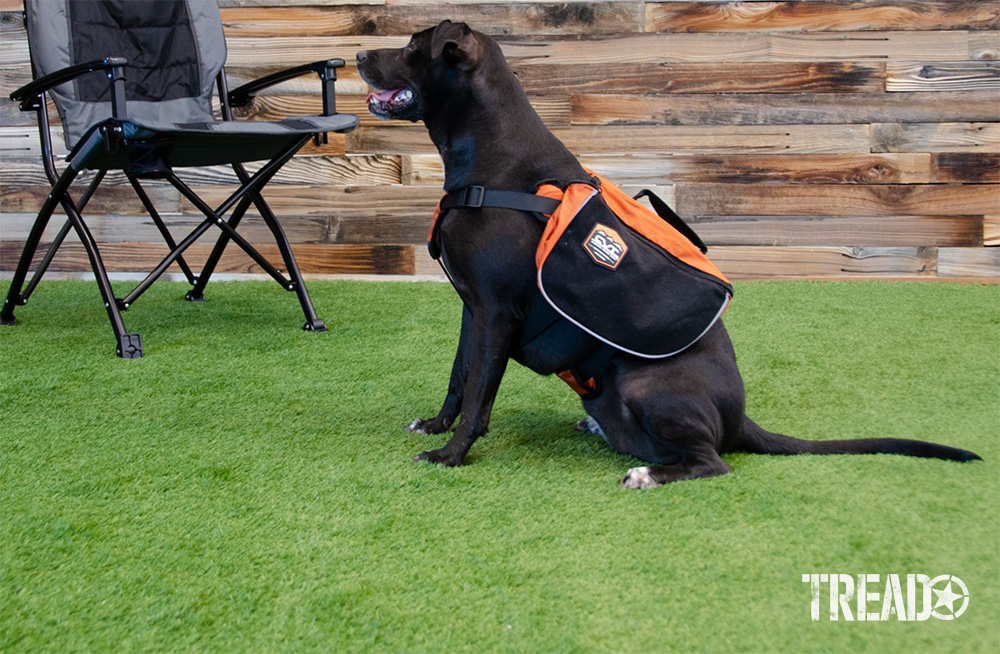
{"type": "Point", "coordinates": [148, 147]}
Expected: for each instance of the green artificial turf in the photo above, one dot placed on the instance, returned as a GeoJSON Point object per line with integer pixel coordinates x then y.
{"type": "Point", "coordinates": [248, 487]}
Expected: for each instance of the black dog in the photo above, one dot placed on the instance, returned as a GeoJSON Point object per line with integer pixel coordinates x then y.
{"type": "Point", "coordinates": [679, 413]}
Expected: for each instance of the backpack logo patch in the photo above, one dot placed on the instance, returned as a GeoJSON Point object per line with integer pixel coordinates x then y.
{"type": "Point", "coordinates": [605, 246]}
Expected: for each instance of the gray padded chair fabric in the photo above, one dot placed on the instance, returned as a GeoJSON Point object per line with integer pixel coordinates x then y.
{"type": "Point", "coordinates": [175, 51]}
{"type": "Point", "coordinates": [133, 82]}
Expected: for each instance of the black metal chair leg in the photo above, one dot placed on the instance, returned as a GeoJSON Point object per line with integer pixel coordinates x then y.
{"type": "Point", "coordinates": [128, 345]}
{"type": "Point", "coordinates": [60, 237]}
{"type": "Point", "coordinates": [158, 221]}
{"type": "Point", "coordinates": [14, 297]}
{"type": "Point", "coordinates": [313, 322]}
{"type": "Point", "coordinates": [197, 294]}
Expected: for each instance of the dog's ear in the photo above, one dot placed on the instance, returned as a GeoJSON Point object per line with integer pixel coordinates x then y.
{"type": "Point", "coordinates": [456, 43]}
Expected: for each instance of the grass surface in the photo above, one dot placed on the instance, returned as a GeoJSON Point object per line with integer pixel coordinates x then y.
{"type": "Point", "coordinates": [247, 487]}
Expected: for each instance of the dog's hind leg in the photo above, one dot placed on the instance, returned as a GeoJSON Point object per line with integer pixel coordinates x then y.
{"type": "Point", "coordinates": [680, 435]}
{"type": "Point", "coordinates": [676, 426]}
{"type": "Point", "coordinates": [657, 475]}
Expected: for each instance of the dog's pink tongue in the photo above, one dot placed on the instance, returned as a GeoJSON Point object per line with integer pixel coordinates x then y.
{"type": "Point", "coordinates": [382, 96]}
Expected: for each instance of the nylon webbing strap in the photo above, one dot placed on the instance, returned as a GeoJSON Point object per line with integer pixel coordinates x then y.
{"type": "Point", "coordinates": [664, 211]}
{"type": "Point", "coordinates": [476, 197]}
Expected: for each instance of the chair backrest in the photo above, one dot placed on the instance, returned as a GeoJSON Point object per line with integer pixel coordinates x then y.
{"type": "Point", "coordinates": [175, 50]}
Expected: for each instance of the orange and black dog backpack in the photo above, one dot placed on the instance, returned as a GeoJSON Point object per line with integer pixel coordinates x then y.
{"type": "Point", "coordinates": [636, 280]}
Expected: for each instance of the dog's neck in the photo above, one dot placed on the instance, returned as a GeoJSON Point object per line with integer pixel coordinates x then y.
{"type": "Point", "coordinates": [493, 137]}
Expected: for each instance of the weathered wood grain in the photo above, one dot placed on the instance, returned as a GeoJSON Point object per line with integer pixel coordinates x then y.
{"type": "Point", "coordinates": [293, 50]}
{"type": "Point", "coordinates": [112, 228]}
{"type": "Point", "coordinates": [969, 262]}
{"type": "Point", "coordinates": [836, 199]}
{"type": "Point", "coordinates": [808, 109]}
{"type": "Point", "coordinates": [497, 19]}
{"type": "Point", "coordinates": [983, 46]}
{"type": "Point", "coordinates": [296, 3]}
{"type": "Point", "coordinates": [738, 262]}
{"type": "Point", "coordinates": [342, 201]}
{"type": "Point", "coordinates": [991, 231]}
{"type": "Point", "coordinates": [884, 231]}
{"type": "Point", "coordinates": [107, 200]}
{"type": "Point", "coordinates": [303, 170]}
{"type": "Point", "coordinates": [962, 167]}
{"type": "Point", "coordinates": [22, 141]}
{"type": "Point", "coordinates": [693, 139]}
{"type": "Point", "coordinates": [944, 76]}
{"type": "Point", "coordinates": [749, 47]}
{"type": "Point", "coordinates": [744, 263]}
{"type": "Point", "coordinates": [711, 78]}
{"type": "Point", "coordinates": [644, 48]}
{"type": "Point", "coordinates": [311, 258]}
{"type": "Point", "coordinates": [821, 16]}
{"type": "Point", "coordinates": [348, 80]}
{"type": "Point", "coordinates": [936, 137]}
{"type": "Point", "coordinates": [11, 23]}
{"type": "Point", "coordinates": [554, 110]}
{"type": "Point", "coordinates": [862, 46]}
{"type": "Point", "coordinates": [752, 169]}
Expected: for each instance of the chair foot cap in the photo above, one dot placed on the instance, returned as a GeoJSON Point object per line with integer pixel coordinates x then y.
{"type": "Point", "coordinates": [130, 346]}
{"type": "Point", "coordinates": [315, 326]}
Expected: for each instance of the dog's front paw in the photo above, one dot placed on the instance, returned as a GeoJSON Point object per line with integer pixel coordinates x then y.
{"type": "Point", "coordinates": [441, 457]}
{"type": "Point", "coordinates": [418, 426]}
{"type": "Point", "coordinates": [639, 478]}
{"type": "Point", "coordinates": [431, 426]}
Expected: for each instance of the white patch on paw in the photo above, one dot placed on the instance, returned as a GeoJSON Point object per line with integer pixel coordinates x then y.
{"type": "Point", "coordinates": [590, 426]}
{"type": "Point", "coordinates": [639, 478]}
{"type": "Point", "coordinates": [415, 427]}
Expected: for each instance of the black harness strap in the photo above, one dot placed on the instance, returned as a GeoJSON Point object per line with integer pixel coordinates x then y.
{"type": "Point", "coordinates": [477, 197]}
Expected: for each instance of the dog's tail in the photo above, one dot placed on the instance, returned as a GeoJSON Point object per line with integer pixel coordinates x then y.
{"type": "Point", "coordinates": [757, 440]}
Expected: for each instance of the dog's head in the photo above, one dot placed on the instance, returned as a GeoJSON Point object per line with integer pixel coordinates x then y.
{"type": "Point", "coordinates": [424, 72]}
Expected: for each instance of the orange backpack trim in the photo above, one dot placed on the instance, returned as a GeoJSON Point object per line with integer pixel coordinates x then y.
{"type": "Point", "coordinates": [631, 212]}
{"type": "Point", "coordinates": [434, 220]}
{"type": "Point", "coordinates": [574, 197]}
{"type": "Point", "coordinates": [583, 390]}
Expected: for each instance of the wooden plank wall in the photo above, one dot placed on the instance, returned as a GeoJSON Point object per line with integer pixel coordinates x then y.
{"type": "Point", "coordinates": [806, 139]}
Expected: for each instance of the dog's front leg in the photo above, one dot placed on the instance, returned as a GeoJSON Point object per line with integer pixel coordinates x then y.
{"type": "Point", "coordinates": [491, 335]}
{"type": "Point", "coordinates": [452, 406]}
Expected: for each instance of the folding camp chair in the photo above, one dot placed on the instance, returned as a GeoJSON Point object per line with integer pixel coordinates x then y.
{"type": "Point", "coordinates": [133, 83]}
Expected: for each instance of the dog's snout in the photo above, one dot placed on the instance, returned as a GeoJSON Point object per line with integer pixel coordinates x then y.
{"type": "Point", "coordinates": [362, 56]}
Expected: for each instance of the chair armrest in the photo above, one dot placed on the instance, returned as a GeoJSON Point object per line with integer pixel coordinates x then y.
{"type": "Point", "coordinates": [115, 66]}
{"type": "Point", "coordinates": [327, 71]}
